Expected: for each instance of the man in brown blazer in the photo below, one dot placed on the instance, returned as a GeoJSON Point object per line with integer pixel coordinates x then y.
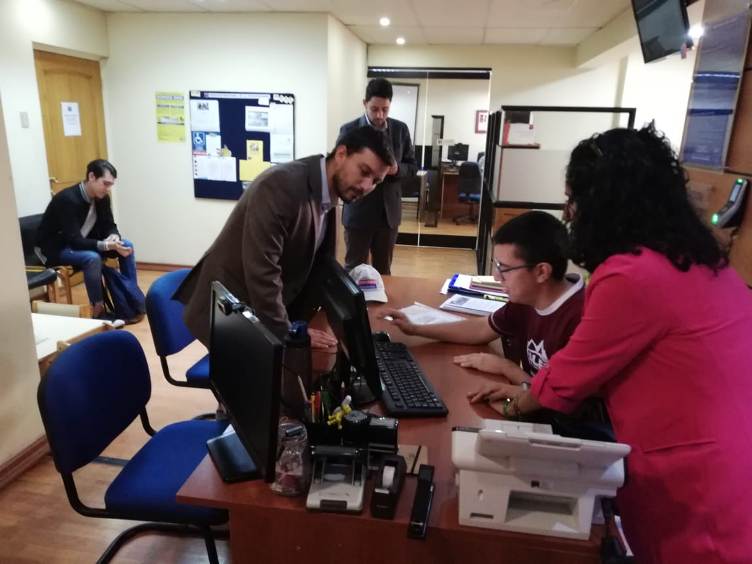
{"type": "Point", "coordinates": [265, 251]}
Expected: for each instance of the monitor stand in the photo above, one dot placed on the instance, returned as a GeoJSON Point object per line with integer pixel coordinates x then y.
{"type": "Point", "coordinates": [356, 383]}
{"type": "Point", "coordinates": [231, 458]}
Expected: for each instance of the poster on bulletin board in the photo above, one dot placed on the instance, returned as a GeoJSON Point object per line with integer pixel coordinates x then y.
{"type": "Point", "coordinates": [235, 136]}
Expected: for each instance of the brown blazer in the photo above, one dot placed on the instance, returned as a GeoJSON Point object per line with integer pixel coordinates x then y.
{"type": "Point", "coordinates": [265, 251]}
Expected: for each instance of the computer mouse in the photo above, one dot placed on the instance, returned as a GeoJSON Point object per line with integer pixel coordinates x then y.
{"type": "Point", "coordinates": [381, 336]}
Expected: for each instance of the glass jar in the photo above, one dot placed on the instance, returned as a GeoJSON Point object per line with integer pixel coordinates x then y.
{"type": "Point", "coordinates": [293, 461]}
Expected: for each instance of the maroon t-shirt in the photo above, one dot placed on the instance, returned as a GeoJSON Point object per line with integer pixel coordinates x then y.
{"type": "Point", "coordinates": [532, 336]}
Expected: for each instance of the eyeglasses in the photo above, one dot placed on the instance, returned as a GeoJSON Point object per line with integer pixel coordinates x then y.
{"type": "Point", "coordinates": [501, 269]}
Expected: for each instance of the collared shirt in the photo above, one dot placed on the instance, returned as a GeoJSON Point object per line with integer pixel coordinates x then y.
{"type": "Point", "coordinates": [326, 204]}
{"type": "Point", "coordinates": [91, 217]}
{"type": "Point", "coordinates": [386, 124]}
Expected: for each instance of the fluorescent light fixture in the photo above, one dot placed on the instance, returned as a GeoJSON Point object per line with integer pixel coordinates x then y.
{"type": "Point", "coordinates": [400, 41]}
{"type": "Point", "coordinates": [384, 21]}
{"type": "Point", "coordinates": [696, 31]}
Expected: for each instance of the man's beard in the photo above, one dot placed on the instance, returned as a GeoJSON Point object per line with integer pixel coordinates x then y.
{"type": "Point", "coordinates": [346, 195]}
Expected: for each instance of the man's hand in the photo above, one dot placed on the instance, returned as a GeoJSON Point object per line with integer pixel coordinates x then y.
{"type": "Point", "coordinates": [494, 392]}
{"type": "Point", "coordinates": [321, 339]}
{"type": "Point", "coordinates": [121, 249]}
{"type": "Point", "coordinates": [394, 169]}
{"type": "Point", "coordinates": [113, 237]}
{"type": "Point", "coordinates": [401, 321]}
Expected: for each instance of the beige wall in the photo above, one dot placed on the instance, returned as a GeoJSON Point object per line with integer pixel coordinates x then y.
{"type": "Point", "coordinates": [154, 200]}
{"type": "Point", "coordinates": [346, 59]}
{"type": "Point", "coordinates": [54, 25]}
{"type": "Point", "coordinates": [20, 424]}
{"type": "Point", "coordinates": [24, 189]}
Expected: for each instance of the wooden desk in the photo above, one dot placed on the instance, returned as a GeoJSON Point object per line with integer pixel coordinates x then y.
{"type": "Point", "coordinates": [49, 330]}
{"type": "Point", "coordinates": [268, 528]}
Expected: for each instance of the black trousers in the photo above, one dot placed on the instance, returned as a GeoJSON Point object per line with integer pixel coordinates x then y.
{"type": "Point", "coordinates": [379, 241]}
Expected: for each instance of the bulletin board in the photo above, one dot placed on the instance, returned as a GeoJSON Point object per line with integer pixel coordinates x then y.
{"type": "Point", "coordinates": [235, 136]}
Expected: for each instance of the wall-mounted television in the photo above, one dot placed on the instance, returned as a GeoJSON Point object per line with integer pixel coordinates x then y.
{"type": "Point", "coordinates": [663, 26]}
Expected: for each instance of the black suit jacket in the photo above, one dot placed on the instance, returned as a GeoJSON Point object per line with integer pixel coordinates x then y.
{"type": "Point", "coordinates": [384, 204]}
{"type": "Point", "coordinates": [62, 221]}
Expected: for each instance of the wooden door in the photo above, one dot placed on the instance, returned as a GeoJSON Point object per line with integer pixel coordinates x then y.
{"type": "Point", "coordinates": [70, 92]}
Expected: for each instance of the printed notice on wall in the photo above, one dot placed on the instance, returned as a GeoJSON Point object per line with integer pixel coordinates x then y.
{"type": "Point", "coordinates": [205, 115]}
{"type": "Point", "coordinates": [71, 119]}
{"type": "Point", "coordinates": [170, 117]}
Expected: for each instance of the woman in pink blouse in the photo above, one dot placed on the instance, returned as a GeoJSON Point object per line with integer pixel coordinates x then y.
{"type": "Point", "coordinates": [666, 340]}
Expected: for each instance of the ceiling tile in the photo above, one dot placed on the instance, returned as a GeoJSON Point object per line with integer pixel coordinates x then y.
{"type": "Point", "coordinates": [569, 36]}
{"type": "Point", "coordinates": [300, 5]}
{"type": "Point", "coordinates": [110, 5]}
{"type": "Point", "coordinates": [233, 5]}
{"type": "Point", "coordinates": [554, 13]}
{"type": "Point", "coordinates": [378, 35]}
{"type": "Point", "coordinates": [499, 35]}
{"type": "Point", "coordinates": [451, 13]}
{"type": "Point", "coordinates": [166, 5]}
{"type": "Point", "coordinates": [368, 13]}
{"type": "Point", "coordinates": [453, 35]}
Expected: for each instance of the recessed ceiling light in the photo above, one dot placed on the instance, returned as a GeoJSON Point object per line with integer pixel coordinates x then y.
{"type": "Point", "coordinates": [696, 31]}
{"type": "Point", "coordinates": [384, 21]}
{"type": "Point", "coordinates": [400, 41]}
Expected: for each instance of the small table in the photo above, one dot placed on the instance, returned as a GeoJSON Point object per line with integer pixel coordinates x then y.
{"type": "Point", "coordinates": [51, 332]}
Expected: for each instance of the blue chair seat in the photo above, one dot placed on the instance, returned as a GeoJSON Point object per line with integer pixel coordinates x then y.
{"type": "Point", "coordinates": [146, 487]}
{"type": "Point", "coordinates": [465, 197]}
{"type": "Point", "coordinates": [199, 372]}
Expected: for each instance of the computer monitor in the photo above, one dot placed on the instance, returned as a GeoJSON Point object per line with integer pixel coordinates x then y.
{"type": "Point", "coordinates": [458, 152]}
{"type": "Point", "coordinates": [345, 307]}
{"type": "Point", "coordinates": [663, 27]}
{"type": "Point", "coordinates": [245, 372]}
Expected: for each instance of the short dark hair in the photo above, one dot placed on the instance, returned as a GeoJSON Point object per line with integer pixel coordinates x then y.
{"type": "Point", "coordinates": [367, 137]}
{"type": "Point", "coordinates": [629, 191]}
{"type": "Point", "coordinates": [98, 167]}
{"type": "Point", "coordinates": [379, 88]}
{"type": "Point", "coordinates": [539, 237]}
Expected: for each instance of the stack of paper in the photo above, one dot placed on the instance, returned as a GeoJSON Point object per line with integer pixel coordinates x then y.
{"type": "Point", "coordinates": [471, 305]}
{"type": "Point", "coordinates": [463, 284]}
{"type": "Point", "coordinates": [484, 283]}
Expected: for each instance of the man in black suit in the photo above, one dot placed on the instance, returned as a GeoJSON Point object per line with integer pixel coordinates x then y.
{"type": "Point", "coordinates": [371, 223]}
{"type": "Point", "coordinates": [78, 229]}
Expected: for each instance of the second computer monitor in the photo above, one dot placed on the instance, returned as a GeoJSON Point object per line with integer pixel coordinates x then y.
{"type": "Point", "coordinates": [345, 307]}
{"type": "Point", "coordinates": [458, 152]}
{"type": "Point", "coordinates": [245, 361]}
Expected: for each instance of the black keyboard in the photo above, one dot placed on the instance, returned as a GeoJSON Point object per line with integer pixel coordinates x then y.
{"type": "Point", "coordinates": [407, 392]}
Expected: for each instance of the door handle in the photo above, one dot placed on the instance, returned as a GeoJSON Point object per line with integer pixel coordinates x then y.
{"type": "Point", "coordinates": [53, 179]}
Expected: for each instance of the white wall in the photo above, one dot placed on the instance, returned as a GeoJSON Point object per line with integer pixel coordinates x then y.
{"type": "Point", "coordinates": [660, 92]}
{"type": "Point", "coordinates": [346, 85]}
{"type": "Point", "coordinates": [457, 100]}
{"type": "Point", "coordinates": [54, 25]}
{"type": "Point", "coordinates": [154, 200]}
{"type": "Point", "coordinates": [20, 424]}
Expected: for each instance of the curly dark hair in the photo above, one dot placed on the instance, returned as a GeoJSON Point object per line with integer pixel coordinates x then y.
{"type": "Point", "coordinates": [629, 190]}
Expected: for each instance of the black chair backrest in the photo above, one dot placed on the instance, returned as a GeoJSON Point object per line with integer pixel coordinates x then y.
{"type": "Point", "coordinates": [29, 227]}
{"type": "Point", "coordinates": [469, 182]}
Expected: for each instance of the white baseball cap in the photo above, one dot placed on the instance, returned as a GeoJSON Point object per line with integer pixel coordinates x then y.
{"type": "Point", "coordinates": [369, 281]}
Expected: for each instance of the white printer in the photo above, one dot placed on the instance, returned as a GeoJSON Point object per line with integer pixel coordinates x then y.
{"type": "Point", "coordinates": [521, 477]}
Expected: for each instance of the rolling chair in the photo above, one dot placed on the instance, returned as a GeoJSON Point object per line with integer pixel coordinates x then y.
{"type": "Point", "coordinates": [469, 190]}
{"type": "Point", "coordinates": [169, 331]}
{"type": "Point", "coordinates": [89, 396]}
{"type": "Point", "coordinates": [37, 275]}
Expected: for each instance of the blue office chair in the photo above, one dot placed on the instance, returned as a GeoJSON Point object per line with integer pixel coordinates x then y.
{"type": "Point", "coordinates": [469, 190]}
{"type": "Point", "coordinates": [89, 396]}
{"type": "Point", "coordinates": [168, 330]}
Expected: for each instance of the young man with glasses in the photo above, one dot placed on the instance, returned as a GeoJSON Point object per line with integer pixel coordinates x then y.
{"type": "Point", "coordinates": [545, 303]}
